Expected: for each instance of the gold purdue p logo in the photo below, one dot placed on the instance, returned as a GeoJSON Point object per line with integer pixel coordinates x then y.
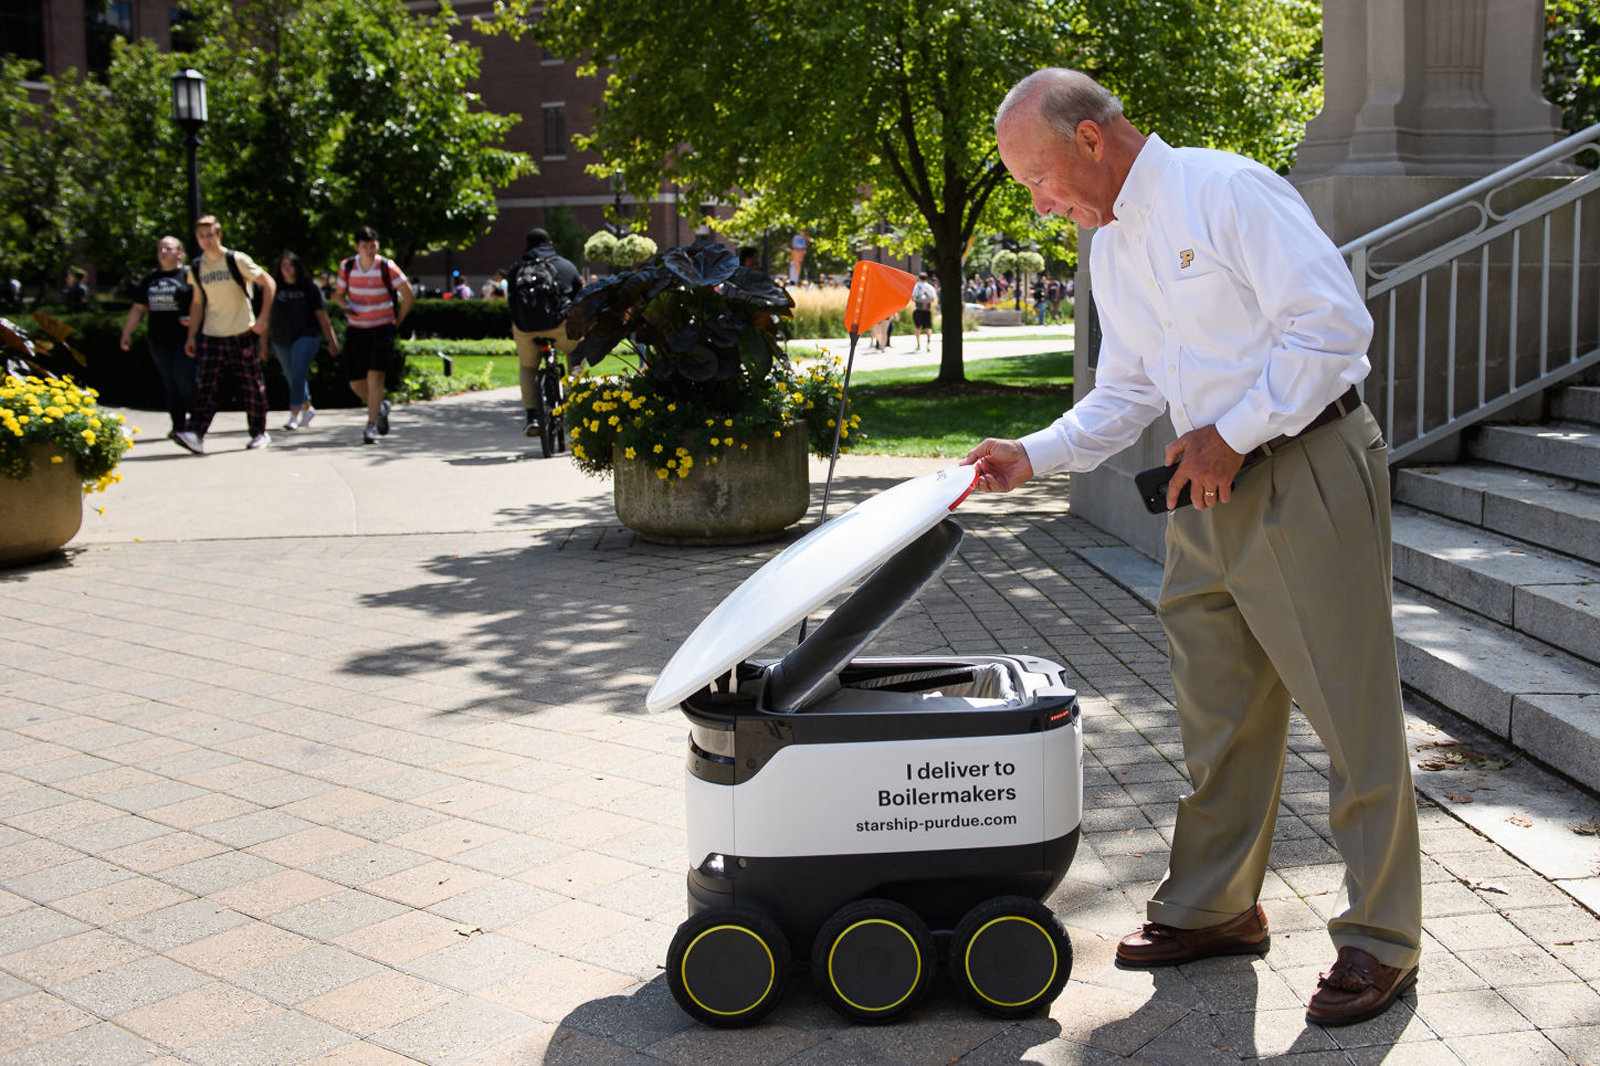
{"type": "Point", "coordinates": [1185, 258]}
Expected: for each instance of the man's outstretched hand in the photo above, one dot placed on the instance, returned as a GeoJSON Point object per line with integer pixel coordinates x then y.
{"type": "Point", "coordinates": [1002, 465]}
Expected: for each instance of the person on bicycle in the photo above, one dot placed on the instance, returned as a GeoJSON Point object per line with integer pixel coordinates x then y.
{"type": "Point", "coordinates": [540, 288]}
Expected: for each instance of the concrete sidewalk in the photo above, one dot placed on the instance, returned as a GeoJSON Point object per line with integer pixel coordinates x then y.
{"type": "Point", "coordinates": [333, 753]}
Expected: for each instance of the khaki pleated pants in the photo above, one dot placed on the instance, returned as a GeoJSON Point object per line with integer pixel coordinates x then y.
{"type": "Point", "coordinates": [1285, 592]}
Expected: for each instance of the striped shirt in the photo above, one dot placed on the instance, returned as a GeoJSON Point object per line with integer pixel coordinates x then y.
{"type": "Point", "coordinates": [370, 305]}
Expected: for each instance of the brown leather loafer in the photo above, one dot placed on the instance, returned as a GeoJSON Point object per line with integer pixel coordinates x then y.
{"type": "Point", "coordinates": [1164, 945]}
{"type": "Point", "coordinates": [1357, 988]}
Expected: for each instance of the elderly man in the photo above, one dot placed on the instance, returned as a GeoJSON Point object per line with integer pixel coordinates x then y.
{"type": "Point", "coordinates": [1223, 304]}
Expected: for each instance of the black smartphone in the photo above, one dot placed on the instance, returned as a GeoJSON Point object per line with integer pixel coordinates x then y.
{"type": "Point", "coordinates": [1152, 486]}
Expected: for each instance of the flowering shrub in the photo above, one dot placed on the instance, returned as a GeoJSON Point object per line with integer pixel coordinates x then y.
{"type": "Point", "coordinates": [674, 434]}
{"type": "Point", "coordinates": [57, 411]}
{"type": "Point", "coordinates": [712, 377]}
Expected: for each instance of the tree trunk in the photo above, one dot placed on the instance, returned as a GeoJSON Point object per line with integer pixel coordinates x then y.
{"type": "Point", "coordinates": [951, 363]}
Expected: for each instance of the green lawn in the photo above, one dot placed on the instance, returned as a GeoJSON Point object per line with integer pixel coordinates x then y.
{"type": "Point", "coordinates": [904, 412]}
{"type": "Point", "coordinates": [471, 357]}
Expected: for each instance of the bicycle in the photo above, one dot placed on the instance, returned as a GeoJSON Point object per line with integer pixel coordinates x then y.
{"type": "Point", "coordinates": [548, 397]}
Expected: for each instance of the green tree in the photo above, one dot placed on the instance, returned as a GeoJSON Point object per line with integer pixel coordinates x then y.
{"type": "Point", "coordinates": [842, 116]}
{"type": "Point", "coordinates": [42, 192]}
{"type": "Point", "coordinates": [566, 232]}
{"type": "Point", "coordinates": [324, 115]}
{"type": "Point", "coordinates": [1572, 62]}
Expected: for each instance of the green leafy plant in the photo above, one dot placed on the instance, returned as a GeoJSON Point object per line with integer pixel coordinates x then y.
{"type": "Point", "coordinates": [710, 378]}
{"type": "Point", "coordinates": [42, 408]}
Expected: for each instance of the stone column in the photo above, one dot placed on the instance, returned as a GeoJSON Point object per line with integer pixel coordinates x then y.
{"type": "Point", "coordinates": [1420, 97]}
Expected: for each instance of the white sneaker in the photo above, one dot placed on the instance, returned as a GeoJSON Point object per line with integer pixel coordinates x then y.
{"type": "Point", "coordinates": [370, 434]}
{"type": "Point", "coordinates": [294, 420]}
{"type": "Point", "coordinates": [191, 440]}
{"type": "Point", "coordinates": [383, 418]}
{"type": "Point", "coordinates": [260, 440]}
{"type": "Point", "coordinates": [307, 415]}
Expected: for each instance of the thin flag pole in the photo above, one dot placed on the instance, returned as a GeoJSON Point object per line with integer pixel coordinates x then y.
{"type": "Point", "coordinates": [876, 292]}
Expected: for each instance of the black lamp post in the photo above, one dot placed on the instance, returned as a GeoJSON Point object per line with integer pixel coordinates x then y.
{"type": "Point", "coordinates": [617, 226]}
{"type": "Point", "coordinates": [189, 112]}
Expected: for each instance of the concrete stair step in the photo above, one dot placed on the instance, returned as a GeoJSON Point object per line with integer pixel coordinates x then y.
{"type": "Point", "coordinates": [1538, 700]}
{"type": "Point", "coordinates": [1576, 403]}
{"type": "Point", "coordinates": [1554, 513]}
{"type": "Point", "coordinates": [1549, 597]}
{"type": "Point", "coordinates": [1560, 449]}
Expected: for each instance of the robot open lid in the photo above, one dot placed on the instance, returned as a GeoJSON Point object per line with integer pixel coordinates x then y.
{"type": "Point", "coordinates": [866, 812]}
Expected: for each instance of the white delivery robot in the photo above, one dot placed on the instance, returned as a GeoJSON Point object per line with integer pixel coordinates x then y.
{"type": "Point", "coordinates": [865, 812]}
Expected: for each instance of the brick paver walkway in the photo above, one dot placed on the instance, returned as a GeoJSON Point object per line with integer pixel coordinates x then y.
{"type": "Point", "coordinates": [394, 798]}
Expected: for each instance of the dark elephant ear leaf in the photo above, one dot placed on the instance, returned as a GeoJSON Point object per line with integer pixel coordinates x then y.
{"type": "Point", "coordinates": [683, 266]}
{"type": "Point", "coordinates": [698, 364]}
{"type": "Point", "coordinates": [15, 340]}
{"type": "Point", "coordinates": [717, 264]}
{"type": "Point", "coordinates": [757, 290]}
{"type": "Point", "coordinates": [598, 342]}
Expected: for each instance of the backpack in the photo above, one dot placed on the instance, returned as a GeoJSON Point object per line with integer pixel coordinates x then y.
{"type": "Point", "coordinates": [382, 266]}
{"type": "Point", "coordinates": [537, 302]}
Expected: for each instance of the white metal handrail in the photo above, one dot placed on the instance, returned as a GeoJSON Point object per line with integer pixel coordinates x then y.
{"type": "Point", "coordinates": [1461, 307]}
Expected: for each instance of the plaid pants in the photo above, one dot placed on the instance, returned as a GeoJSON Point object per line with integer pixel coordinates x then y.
{"type": "Point", "coordinates": [227, 361]}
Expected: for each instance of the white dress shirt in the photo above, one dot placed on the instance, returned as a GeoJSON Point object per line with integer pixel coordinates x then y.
{"type": "Point", "coordinates": [1220, 300]}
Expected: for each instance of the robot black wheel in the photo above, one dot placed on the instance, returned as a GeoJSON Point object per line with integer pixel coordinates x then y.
{"type": "Point", "coordinates": [873, 961]}
{"type": "Point", "coordinates": [728, 966]}
{"type": "Point", "coordinates": [1010, 956]}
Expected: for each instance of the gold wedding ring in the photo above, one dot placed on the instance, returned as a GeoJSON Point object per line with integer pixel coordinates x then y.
{"type": "Point", "coordinates": [1210, 493]}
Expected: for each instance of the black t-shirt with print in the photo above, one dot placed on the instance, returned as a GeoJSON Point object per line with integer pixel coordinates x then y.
{"type": "Point", "coordinates": [294, 312]}
{"type": "Point", "coordinates": [167, 294]}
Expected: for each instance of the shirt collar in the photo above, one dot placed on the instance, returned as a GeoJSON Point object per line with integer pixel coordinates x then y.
{"type": "Point", "coordinates": [1137, 197]}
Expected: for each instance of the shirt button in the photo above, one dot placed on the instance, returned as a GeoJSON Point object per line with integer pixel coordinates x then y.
{"type": "Point", "coordinates": [1167, 325]}
{"type": "Point", "coordinates": [1172, 368]}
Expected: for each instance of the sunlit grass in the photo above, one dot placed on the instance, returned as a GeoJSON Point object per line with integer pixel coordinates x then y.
{"type": "Point", "coordinates": [905, 412]}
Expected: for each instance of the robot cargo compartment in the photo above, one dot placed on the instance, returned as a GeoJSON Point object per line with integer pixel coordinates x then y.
{"type": "Point", "coordinates": [897, 685]}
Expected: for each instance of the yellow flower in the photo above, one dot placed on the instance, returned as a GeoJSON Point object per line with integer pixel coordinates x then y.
{"type": "Point", "coordinates": [627, 453]}
{"type": "Point", "coordinates": [57, 459]}
{"type": "Point", "coordinates": [656, 449]}
{"type": "Point", "coordinates": [727, 422]}
{"type": "Point", "coordinates": [88, 437]}
{"type": "Point", "coordinates": [662, 474]}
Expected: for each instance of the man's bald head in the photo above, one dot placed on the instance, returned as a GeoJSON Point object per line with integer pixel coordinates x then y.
{"type": "Point", "coordinates": [1063, 98]}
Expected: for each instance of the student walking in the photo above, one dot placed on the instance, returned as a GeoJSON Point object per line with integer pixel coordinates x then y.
{"type": "Point", "coordinates": [164, 295]}
{"type": "Point", "coordinates": [299, 322]}
{"type": "Point", "coordinates": [368, 289]}
{"type": "Point", "coordinates": [225, 335]}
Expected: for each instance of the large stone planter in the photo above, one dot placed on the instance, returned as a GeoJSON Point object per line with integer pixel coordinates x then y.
{"type": "Point", "coordinates": [746, 496]}
{"type": "Point", "coordinates": [42, 512]}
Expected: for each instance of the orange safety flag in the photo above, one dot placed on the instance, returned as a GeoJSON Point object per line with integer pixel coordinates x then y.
{"type": "Point", "coordinates": [876, 292]}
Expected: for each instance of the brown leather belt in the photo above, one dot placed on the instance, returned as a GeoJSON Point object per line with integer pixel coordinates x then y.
{"type": "Point", "coordinates": [1335, 410]}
